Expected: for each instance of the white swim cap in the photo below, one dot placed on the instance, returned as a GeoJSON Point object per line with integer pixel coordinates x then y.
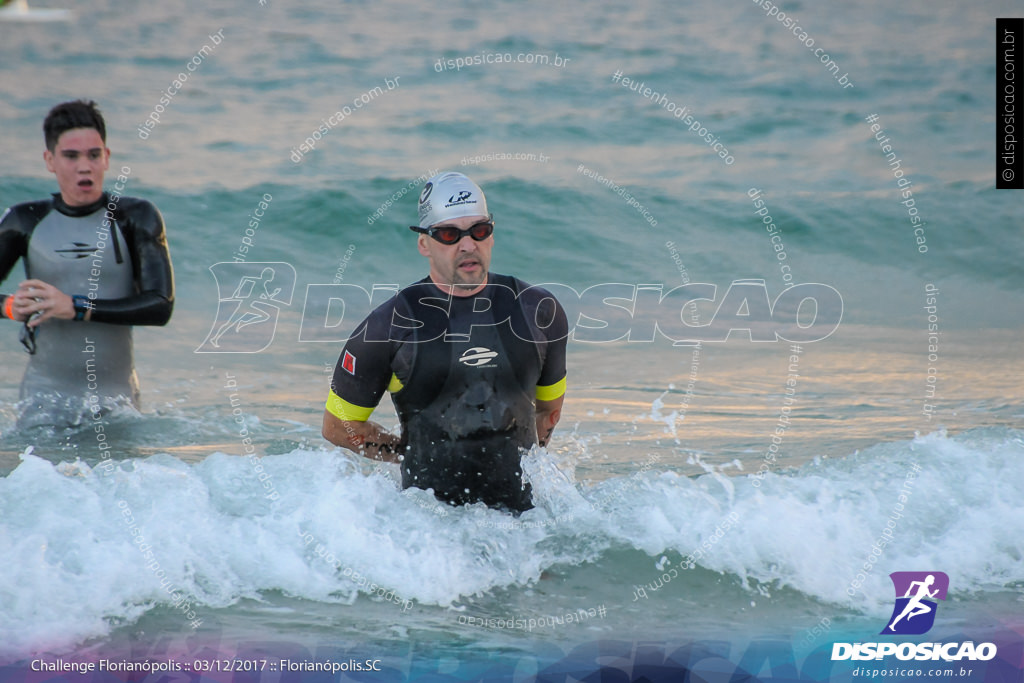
{"type": "Point", "coordinates": [450, 195]}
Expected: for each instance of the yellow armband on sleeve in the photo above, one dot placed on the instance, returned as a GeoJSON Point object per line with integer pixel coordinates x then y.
{"type": "Point", "coordinates": [343, 410]}
{"type": "Point", "coordinates": [551, 392]}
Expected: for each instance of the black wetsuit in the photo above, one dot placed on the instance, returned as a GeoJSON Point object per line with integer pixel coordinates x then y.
{"type": "Point", "coordinates": [121, 264]}
{"type": "Point", "coordinates": [464, 373]}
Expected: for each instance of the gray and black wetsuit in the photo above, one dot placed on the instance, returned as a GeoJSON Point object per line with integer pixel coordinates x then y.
{"type": "Point", "coordinates": [118, 259]}
{"type": "Point", "coordinates": [464, 374]}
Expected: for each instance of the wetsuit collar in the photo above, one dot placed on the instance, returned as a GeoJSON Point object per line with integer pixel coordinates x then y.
{"type": "Point", "coordinates": [78, 211]}
{"type": "Point", "coordinates": [451, 293]}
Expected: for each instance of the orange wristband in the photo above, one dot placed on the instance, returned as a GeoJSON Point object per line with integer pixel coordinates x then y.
{"type": "Point", "coordinates": [9, 307]}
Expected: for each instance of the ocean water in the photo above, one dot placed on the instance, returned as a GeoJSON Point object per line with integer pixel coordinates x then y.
{"type": "Point", "coordinates": [674, 531]}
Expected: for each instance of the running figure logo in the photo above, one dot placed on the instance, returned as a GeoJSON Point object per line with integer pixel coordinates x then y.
{"type": "Point", "coordinates": [916, 595]}
{"type": "Point", "coordinates": [250, 297]}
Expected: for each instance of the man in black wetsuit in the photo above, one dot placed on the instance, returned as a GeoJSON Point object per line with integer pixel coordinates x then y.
{"type": "Point", "coordinates": [474, 361]}
{"type": "Point", "coordinates": [95, 264]}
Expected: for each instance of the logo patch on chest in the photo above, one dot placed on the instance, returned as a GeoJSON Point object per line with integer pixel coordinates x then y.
{"type": "Point", "coordinates": [478, 355]}
{"type": "Point", "coordinates": [75, 250]}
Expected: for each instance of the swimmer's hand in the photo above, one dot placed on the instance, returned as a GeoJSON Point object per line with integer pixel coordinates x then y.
{"type": "Point", "coordinates": [368, 439]}
{"type": "Point", "coordinates": [36, 296]}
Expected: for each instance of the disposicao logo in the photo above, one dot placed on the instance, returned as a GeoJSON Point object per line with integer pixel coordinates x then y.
{"type": "Point", "coordinates": [913, 614]}
{"type": "Point", "coordinates": [916, 595]}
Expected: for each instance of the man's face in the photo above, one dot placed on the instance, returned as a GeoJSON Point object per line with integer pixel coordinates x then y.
{"type": "Point", "coordinates": [79, 161]}
{"type": "Point", "coordinates": [463, 264]}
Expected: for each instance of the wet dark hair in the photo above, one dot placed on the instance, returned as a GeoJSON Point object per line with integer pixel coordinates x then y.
{"type": "Point", "coordinates": [68, 115]}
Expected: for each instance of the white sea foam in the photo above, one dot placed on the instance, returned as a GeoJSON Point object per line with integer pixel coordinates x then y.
{"type": "Point", "coordinates": [74, 565]}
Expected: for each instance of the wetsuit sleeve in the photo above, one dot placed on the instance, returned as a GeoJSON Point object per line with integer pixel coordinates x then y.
{"type": "Point", "coordinates": [555, 326]}
{"type": "Point", "coordinates": [12, 242]}
{"type": "Point", "coordinates": [361, 375]}
{"type": "Point", "coordinates": [16, 225]}
{"type": "Point", "coordinates": [153, 301]}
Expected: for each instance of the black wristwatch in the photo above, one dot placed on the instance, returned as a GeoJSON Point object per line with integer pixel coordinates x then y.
{"type": "Point", "coordinates": [82, 305]}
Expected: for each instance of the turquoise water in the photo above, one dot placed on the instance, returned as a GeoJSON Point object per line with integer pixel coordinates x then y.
{"type": "Point", "coordinates": [657, 446]}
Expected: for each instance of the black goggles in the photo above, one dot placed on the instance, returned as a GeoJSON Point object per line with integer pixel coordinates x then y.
{"type": "Point", "coordinates": [449, 234]}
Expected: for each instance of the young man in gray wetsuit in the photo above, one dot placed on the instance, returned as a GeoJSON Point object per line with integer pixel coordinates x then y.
{"type": "Point", "coordinates": [96, 263]}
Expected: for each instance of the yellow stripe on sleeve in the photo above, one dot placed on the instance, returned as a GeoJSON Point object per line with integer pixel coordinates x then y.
{"type": "Point", "coordinates": [551, 392]}
{"type": "Point", "coordinates": [343, 410]}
